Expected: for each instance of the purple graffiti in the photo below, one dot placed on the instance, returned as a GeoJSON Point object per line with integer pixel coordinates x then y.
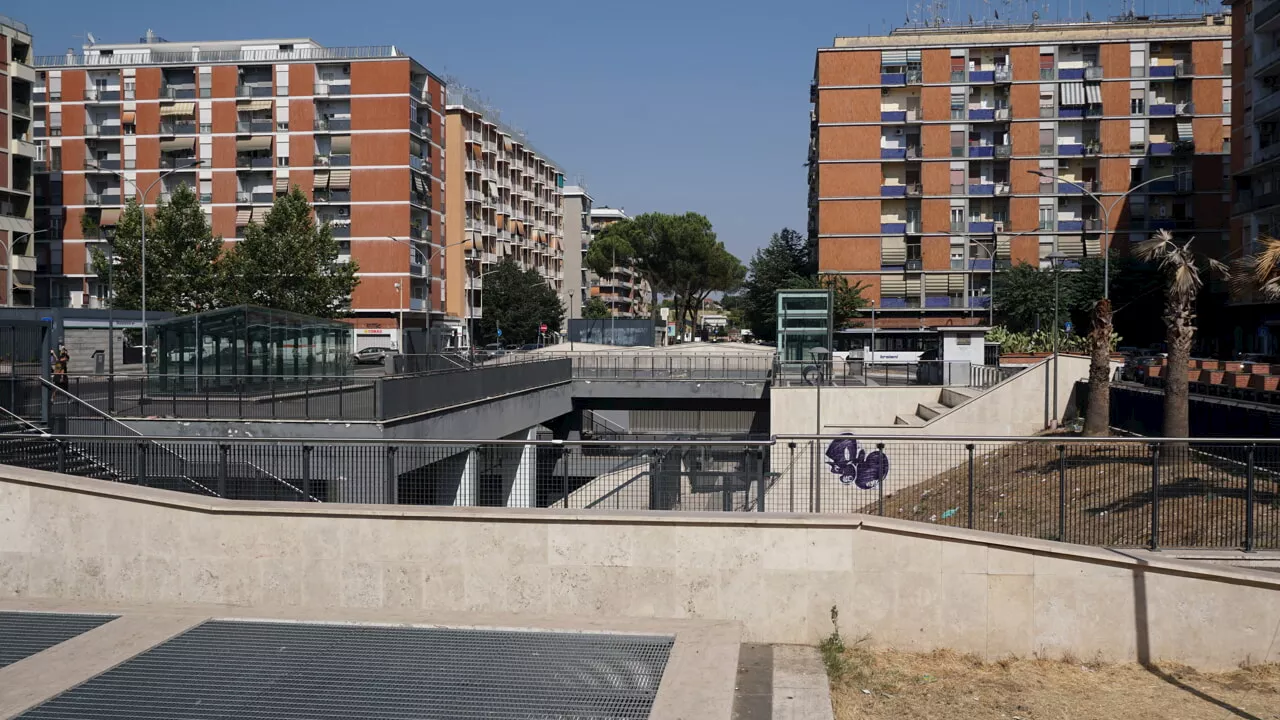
{"type": "Point", "coordinates": [856, 466]}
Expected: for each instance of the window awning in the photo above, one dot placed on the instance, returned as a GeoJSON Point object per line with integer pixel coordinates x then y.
{"type": "Point", "coordinates": [186, 143]}
{"type": "Point", "coordinates": [489, 188]}
{"type": "Point", "coordinates": [955, 283]}
{"type": "Point", "coordinates": [893, 286]}
{"type": "Point", "coordinates": [1071, 245]}
{"type": "Point", "coordinates": [913, 286]}
{"type": "Point", "coordinates": [110, 216]}
{"type": "Point", "coordinates": [340, 145]}
{"type": "Point", "coordinates": [340, 180]}
{"type": "Point", "coordinates": [935, 284]}
{"type": "Point", "coordinates": [260, 214]}
{"type": "Point", "coordinates": [242, 217]}
{"type": "Point", "coordinates": [893, 251]}
{"type": "Point", "coordinates": [1185, 131]}
{"type": "Point", "coordinates": [893, 57]}
{"type": "Point", "coordinates": [251, 105]}
{"type": "Point", "coordinates": [1073, 94]}
{"type": "Point", "coordinates": [129, 117]}
{"type": "Point", "coordinates": [1002, 247]}
{"type": "Point", "coordinates": [321, 180]}
{"type": "Point", "coordinates": [282, 183]}
{"type": "Point", "coordinates": [182, 108]}
{"type": "Point", "coordinates": [1092, 247]}
{"type": "Point", "coordinates": [1093, 93]}
{"type": "Point", "coordinates": [255, 143]}
{"type": "Point", "coordinates": [419, 185]}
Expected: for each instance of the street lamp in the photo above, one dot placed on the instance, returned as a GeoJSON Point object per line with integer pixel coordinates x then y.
{"type": "Point", "coordinates": [8, 250]}
{"type": "Point", "coordinates": [1056, 259]}
{"type": "Point", "coordinates": [142, 204]}
{"type": "Point", "coordinates": [400, 308]}
{"type": "Point", "coordinates": [426, 263]}
{"type": "Point", "coordinates": [991, 255]}
{"type": "Point", "coordinates": [1106, 217]}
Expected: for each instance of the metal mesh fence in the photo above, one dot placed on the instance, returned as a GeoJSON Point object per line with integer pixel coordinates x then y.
{"type": "Point", "coordinates": [1108, 492]}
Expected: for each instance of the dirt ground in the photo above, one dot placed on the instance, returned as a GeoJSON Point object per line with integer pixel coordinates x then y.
{"type": "Point", "coordinates": [874, 684]}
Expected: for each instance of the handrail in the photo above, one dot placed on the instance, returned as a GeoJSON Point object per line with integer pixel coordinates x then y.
{"type": "Point", "coordinates": [25, 421]}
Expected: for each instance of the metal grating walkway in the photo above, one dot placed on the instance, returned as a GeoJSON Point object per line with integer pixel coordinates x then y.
{"type": "Point", "coordinates": [23, 634]}
{"type": "Point", "coordinates": [229, 669]}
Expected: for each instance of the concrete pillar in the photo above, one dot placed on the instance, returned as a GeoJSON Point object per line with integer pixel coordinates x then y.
{"type": "Point", "coordinates": [466, 495]}
{"type": "Point", "coordinates": [524, 485]}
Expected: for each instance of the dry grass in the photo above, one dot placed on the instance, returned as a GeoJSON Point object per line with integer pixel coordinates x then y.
{"type": "Point", "coordinates": [885, 684]}
{"type": "Point", "coordinates": [1108, 497]}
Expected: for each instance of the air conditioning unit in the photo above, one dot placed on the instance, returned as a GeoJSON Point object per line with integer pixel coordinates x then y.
{"type": "Point", "coordinates": [999, 227]}
{"type": "Point", "coordinates": [343, 212]}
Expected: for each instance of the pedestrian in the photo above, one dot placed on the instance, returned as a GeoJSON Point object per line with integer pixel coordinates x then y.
{"type": "Point", "coordinates": [62, 360]}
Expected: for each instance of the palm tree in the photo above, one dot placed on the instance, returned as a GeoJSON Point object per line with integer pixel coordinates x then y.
{"type": "Point", "coordinates": [1259, 273]}
{"type": "Point", "coordinates": [1183, 269]}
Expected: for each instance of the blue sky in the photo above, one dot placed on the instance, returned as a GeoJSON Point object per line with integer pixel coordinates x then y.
{"type": "Point", "coordinates": [657, 105]}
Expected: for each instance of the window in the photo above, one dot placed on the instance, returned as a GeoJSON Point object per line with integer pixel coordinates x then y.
{"type": "Point", "coordinates": [913, 249]}
{"type": "Point", "coordinates": [129, 90]}
{"type": "Point", "coordinates": [1137, 102]}
{"type": "Point", "coordinates": [282, 161]}
{"type": "Point", "coordinates": [1047, 213]}
{"type": "Point", "coordinates": [282, 126]}
{"type": "Point", "coordinates": [129, 129]}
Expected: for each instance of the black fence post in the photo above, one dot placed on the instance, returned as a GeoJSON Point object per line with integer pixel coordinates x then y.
{"type": "Point", "coordinates": [1062, 493]}
{"type": "Point", "coordinates": [969, 448]}
{"type": "Point", "coordinates": [306, 473]}
{"type": "Point", "coordinates": [62, 456]}
{"type": "Point", "coordinates": [880, 488]}
{"type": "Point", "coordinates": [564, 475]}
{"type": "Point", "coordinates": [141, 456]}
{"type": "Point", "coordinates": [306, 398]}
{"type": "Point", "coordinates": [1249, 501]}
{"type": "Point", "coordinates": [224, 451]}
{"type": "Point", "coordinates": [761, 476]}
{"type": "Point", "coordinates": [1155, 497]}
{"type": "Point", "coordinates": [240, 398]}
{"type": "Point", "coordinates": [391, 474]}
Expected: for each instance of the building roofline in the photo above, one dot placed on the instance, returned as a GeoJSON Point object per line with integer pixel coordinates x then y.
{"type": "Point", "coordinates": [15, 25]}
{"type": "Point", "coordinates": [1040, 34]}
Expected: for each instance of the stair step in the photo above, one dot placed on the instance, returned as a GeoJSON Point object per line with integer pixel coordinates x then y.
{"type": "Point", "coordinates": [951, 397]}
{"type": "Point", "coordinates": [913, 420]}
{"type": "Point", "coordinates": [929, 411]}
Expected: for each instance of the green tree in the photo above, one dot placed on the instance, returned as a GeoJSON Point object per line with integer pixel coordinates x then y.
{"type": "Point", "coordinates": [289, 262]}
{"type": "Point", "coordinates": [595, 309]}
{"type": "Point", "coordinates": [518, 301]}
{"type": "Point", "coordinates": [182, 256]}
{"type": "Point", "coordinates": [786, 264]}
{"type": "Point", "coordinates": [678, 255]}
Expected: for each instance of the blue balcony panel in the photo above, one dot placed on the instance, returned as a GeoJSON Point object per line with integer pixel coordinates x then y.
{"type": "Point", "coordinates": [893, 78]}
{"type": "Point", "coordinates": [1070, 225]}
{"type": "Point", "coordinates": [1070, 264]}
{"type": "Point", "coordinates": [1070, 149]}
{"type": "Point", "coordinates": [984, 264]}
{"type": "Point", "coordinates": [1071, 74]}
{"type": "Point", "coordinates": [982, 189]}
{"type": "Point", "coordinates": [937, 302]}
{"type": "Point", "coordinates": [893, 191]}
{"type": "Point", "coordinates": [893, 153]}
{"type": "Point", "coordinates": [980, 151]}
{"type": "Point", "coordinates": [1070, 112]}
{"type": "Point", "coordinates": [982, 226]}
{"type": "Point", "coordinates": [1162, 224]}
{"type": "Point", "coordinates": [1162, 109]}
{"type": "Point", "coordinates": [893, 116]}
{"type": "Point", "coordinates": [1162, 71]}
{"type": "Point", "coordinates": [1161, 148]}
{"type": "Point", "coordinates": [893, 302]}
{"type": "Point", "coordinates": [978, 76]}
{"type": "Point", "coordinates": [1163, 186]}
{"type": "Point", "coordinates": [893, 228]}
{"type": "Point", "coordinates": [980, 301]}
{"type": "Point", "coordinates": [982, 114]}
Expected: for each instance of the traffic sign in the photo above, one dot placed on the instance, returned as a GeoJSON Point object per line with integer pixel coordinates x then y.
{"type": "Point", "coordinates": [542, 327]}
{"type": "Point", "coordinates": [1067, 326]}
{"type": "Point", "coordinates": [499, 332]}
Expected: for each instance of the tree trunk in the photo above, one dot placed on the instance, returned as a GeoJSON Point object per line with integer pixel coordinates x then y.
{"type": "Point", "coordinates": [1180, 322]}
{"type": "Point", "coordinates": [1097, 420]}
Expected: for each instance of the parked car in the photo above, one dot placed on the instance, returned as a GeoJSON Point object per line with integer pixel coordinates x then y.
{"type": "Point", "coordinates": [491, 351]}
{"type": "Point", "coordinates": [372, 355]}
{"type": "Point", "coordinates": [1138, 369]}
{"type": "Point", "coordinates": [528, 348]}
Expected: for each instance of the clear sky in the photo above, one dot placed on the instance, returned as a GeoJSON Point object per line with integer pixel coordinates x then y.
{"type": "Point", "coordinates": [700, 105]}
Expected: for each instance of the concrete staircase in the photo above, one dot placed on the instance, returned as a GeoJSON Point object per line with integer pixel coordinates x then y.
{"type": "Point", "coordinates": [948, 398]}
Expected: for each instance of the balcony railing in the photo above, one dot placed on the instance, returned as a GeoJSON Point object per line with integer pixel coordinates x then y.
{"type": "Point", "coordinates": [890, 191]}
{"type": "Point", "coordinates": [1263, 17]}
{"type": "Point", "coordinates": [332, 124]}
{"type": "Point", "coordinates": [248, 127]}
{"type": "Point", "coordinates": [1093, 72]}
{"type": "Point", "coordinates": [253, 161]}
{"type": "Point", "coordinates": [178, 128]}
{"type": "Point", "coordinates": [183, 162]}
{"type": "Point", "coordinates": [333, 89]}
{"type": "Point", "coordinates": [177, 92]}
{"type": "Point", "coordinates": [333, 160]}
{"type": "Point", "coordinates": [255, 90]}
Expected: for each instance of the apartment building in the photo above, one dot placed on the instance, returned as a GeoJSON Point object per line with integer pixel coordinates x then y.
{"type": "Point", "coordinates": [1253, 321]}
{"type": "Point", "coordinates": [940, 155]}
{"type": "Point", "coordinates": [18, 156]}
{"type": "Point", "coordinates": [504, 202]}
{"type": "Point", "coordinates": [577, 203]}
{"type": "Point", "coordinates": [624, 290]}
{"type": "Point", "coordinates": [358, 129]}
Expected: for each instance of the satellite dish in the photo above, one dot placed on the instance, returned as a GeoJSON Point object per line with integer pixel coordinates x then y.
{"type": "Point", "coordinates": [92, 40]}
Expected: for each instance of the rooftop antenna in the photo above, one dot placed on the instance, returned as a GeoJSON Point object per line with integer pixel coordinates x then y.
{"type": "Point", "coordinates": [89, 36]}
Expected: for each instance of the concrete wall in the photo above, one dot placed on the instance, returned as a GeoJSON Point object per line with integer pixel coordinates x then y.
{"type": "Point", "coordinates": [1018, 406]}
{"type": "Point", "coordinates": [911, 586]}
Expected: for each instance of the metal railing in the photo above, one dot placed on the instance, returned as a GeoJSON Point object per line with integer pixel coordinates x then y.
{"type": "Point", "coordinates": [855, 372]}
{"type": "Point", "coordinates": [666, 366]}
{"type": "Point", "coordinates": [1113, 492]}
{"type": "Point", "coordinates": [150, 57]}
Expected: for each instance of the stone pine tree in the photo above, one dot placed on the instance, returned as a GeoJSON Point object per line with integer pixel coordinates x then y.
{"type": "Point", "coordinates": [289, 262]}
{"type": "Point", "coordinates": [517, 301]}
{"type": "Point", "coordinates": [182, 256]}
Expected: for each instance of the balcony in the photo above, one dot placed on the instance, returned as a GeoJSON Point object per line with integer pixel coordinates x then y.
{"type": "Point", "coordinates": [914, 265]}
{"type": "Point", "coordinates": [1161, 148]}
{"type": "Point", "coordinates": [20, 107]}
{"type": "Point", "coordinates": [1070, 226]}
{"type": "Point", "coordinates": [1185, 109]}
{"type": "Point", "coordinates": [333, 160]}
{"type": "Point", "coordinates": [177, 92]}
{"type": "Point", "coordinates": [982, 114]}
{"type": "Point", "coordinates": [1093, 224]}
{"type": "Point", "coordinates": [93, 165]}
{"type": "Point", "coordinates": [1076, 187]}
{"type": "Point", "coordinates": [1002, 188]}
{"type": "Point", "coordinates": [332, 125]}
{"type": "Point", "coordinates": [894, 303]}
{"type": "Point", "coordinates": [26, 149]}
{"type": "Point", "coordinates": [1071, 149]}
{"type": "Point", "coordinates": [977, 150]}
{"type": "Point", "coordinates": [982, 189]}
{"type": "Point", "coordinates": [333, 89]}
{"type": "Point", "coordinates": [888, 153]}
{"type": "Point", "coordinates": [94, 199]}
{"type": "Point", "coordinates": [1003, 152]}
{"type": "Point", "coordinates": [178, 128]}
{"type": "Point", "coordinates": [95, 95]}
{"type": "Point", "coordinates": [893, 191]}
{"type": "Point", "coordinates": [1262, 18]}
{"type": "Point", "coordinates": [253, 161]}
{"type": "Point", "coordinates": [982, 76]}
{"type": "Point", "coordinates": [341, 229]}
{"type": "Point", "coordinates": [915, 190]}
{"type": "Point", "coordinates": [893, 116]}
{"type": "Point", "coordinates": [1071, 73]}
{"type": "Point", "coordinates": [915, 77]}
{"type": "Point", "coordinates": [1162, 109]}
{"type": "Point", "coordinates": [251, 127]}
{"type": "Point", "coordinates": [1162, 71]}
{"type": "Point", "coordinates": [893, 78]}
{"type": "Point", "coordinates": [255, 90]}
{"type": "Point", "coordinates": [980, 264]}
{"type": "Point", "coordinates": [982, 226]}
{"type": "Point", "coordinates": [1268, 105]}
{"type": "Point", "coordinates": [181, 162]}
{"type": "Point", "coordinates": [893, 228]}
{"type": "Point", "coordinates": [979, 301]}
{"type": "Point", "coordinates": [332, 196]}
{"type": "Point", "coordinates": [417, 232]}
